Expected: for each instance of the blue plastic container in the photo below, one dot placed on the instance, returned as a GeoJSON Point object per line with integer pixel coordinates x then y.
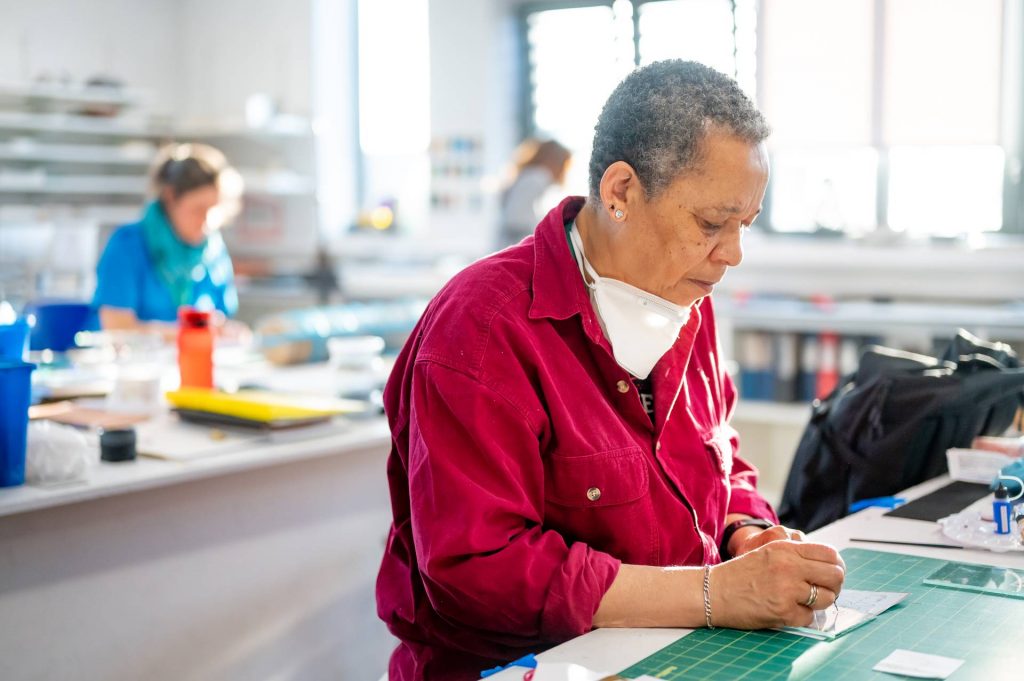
{"type": "Point", "coordinates": [15, 396]}
{"type": "Point", "coordinates": [14, 340]}
{"type": "Point", "coordinates": [56, 323]}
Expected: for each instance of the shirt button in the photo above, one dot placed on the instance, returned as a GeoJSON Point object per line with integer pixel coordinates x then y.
{"type": "Point", "coordinates": [594, 493]}
{"type": "Point", "coordinates": [622, 386]}
{"type": "Point", "coordinates": [658, 446]}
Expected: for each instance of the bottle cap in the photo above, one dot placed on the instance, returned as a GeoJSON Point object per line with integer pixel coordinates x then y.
{"type": "Point", "coordinates": [190, 318]}
{"type": "Point", "coordinates": [1002, 492]}
{"type": "Point", "coordinates": [117, 444]}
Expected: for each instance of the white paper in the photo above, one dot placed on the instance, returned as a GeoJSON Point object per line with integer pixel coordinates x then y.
{"type": "Point", "coordinates": [871, 602]}
{"type": "Point", "coordinates": [167, 438]}
{"type": "Point", "coordinates": [558, 671]}
{"type": "Point", "coordinates": [919, 665]}
{"type": "Point", "coordinates": [853, 608]}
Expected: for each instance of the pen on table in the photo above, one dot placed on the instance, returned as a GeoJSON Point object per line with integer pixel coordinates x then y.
{"type": "Point", "coordinates": [906, 543]}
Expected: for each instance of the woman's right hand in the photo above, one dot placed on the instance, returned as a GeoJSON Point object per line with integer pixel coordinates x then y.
{"type": "Point", "coordinates": [769, 586]}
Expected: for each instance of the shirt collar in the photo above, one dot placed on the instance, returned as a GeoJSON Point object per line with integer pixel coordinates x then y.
{"type": "Point", "coordinates": [558, 288]}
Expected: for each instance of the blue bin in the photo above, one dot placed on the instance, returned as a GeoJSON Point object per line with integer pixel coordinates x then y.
{"type": "Point", "coordinates": [14, 340]}
{"type": "Point", "coordinates": [56, 323]}
{"type": "Point", "coordinates": [16, 389]}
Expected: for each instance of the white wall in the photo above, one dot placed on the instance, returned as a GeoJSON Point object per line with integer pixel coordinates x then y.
{"type": "Point", "coordinates": [473, 94]}
{"type": "Point", "coordinates": [198, 59]}
{"type": "Point", "coordinates": [240, 47]}
{"type": "Point", "coordinates": [132, 41]}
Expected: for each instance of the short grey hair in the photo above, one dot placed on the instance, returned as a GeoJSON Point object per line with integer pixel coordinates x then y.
{"type": "Point", "coordinates": [657, 117]}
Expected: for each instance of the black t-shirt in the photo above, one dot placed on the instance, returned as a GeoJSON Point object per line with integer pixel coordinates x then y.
{"type": "Point", "coordinates": [643, 385]}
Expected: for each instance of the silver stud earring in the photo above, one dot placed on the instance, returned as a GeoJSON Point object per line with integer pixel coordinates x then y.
{"type": "Point", "coordinates": [619, 214]}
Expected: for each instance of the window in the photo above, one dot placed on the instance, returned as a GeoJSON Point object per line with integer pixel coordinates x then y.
{"type": "Point", "coordinates": [904, 102]}
{"type": "Point", "coordinates": [816, 93]}
{"type": "Point", "coordinates": [394, 84]}
{"type": "Point", "coordinates": [394, 109]}
{"type": "Point", "coordinates": [904, 113]}
{"type": "Point", "coordinates": [698, 30]}
{"type": "Point", "coordinates": [578, 54]}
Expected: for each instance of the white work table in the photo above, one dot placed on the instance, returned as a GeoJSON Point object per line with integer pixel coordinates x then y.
{"type": "Point", "coordinates": [255, 563]}
{"type": "Point", "coordinates": [109, 479]}
{"type": "Point", "coordinates": [612, 650]}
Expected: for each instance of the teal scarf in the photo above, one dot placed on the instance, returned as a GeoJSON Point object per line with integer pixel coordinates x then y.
{"type": "Point", "coordinates": [174, 260]}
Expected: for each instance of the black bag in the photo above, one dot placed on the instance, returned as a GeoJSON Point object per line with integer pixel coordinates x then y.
{"type": "Point", "coordinates": [888, 426]}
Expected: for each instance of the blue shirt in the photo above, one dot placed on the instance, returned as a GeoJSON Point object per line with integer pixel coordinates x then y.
{"type": "Point", "coordinates": [127, 279]}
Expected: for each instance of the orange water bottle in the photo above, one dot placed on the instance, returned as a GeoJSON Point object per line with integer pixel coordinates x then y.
{"type": "Point", "coordinates": [195, 348]}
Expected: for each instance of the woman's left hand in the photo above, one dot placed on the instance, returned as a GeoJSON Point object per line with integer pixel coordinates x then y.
{"type": "Point", "coordinates": [757, 537]}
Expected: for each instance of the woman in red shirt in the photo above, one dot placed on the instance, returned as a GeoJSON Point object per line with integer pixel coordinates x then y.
{"type": "Point", "coordinates": [562, 457]}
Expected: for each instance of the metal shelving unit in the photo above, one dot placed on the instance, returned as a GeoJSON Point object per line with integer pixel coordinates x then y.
{"type": "Point", "coordinates": [61, 169]}
{"type": "Point", "coordinates": [1004, 322]}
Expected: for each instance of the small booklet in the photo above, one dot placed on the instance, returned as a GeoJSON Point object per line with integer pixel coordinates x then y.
{"type": "Point", "coordinates": [852, 609]}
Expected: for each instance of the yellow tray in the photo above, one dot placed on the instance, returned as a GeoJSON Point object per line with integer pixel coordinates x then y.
{"type": "Point", "coordinates": [259, 405]}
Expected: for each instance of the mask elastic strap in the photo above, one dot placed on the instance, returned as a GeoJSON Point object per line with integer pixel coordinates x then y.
{"type": "Point", "coordinates": [581, 258]}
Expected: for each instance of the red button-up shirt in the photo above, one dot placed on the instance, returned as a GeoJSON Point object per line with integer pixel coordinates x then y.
{"type": "Point", "coordinates": [524, 467]}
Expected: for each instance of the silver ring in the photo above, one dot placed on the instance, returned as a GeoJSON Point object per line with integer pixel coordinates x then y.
{"type": "Point", "coordinates": [813, 598]}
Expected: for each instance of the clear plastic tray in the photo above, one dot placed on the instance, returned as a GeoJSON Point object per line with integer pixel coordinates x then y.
{"type": "Point", "coordinates": [968, 528]}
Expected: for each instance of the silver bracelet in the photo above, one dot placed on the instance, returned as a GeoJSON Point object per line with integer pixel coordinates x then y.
{"type": "Point", "coordinates": [707, 597]}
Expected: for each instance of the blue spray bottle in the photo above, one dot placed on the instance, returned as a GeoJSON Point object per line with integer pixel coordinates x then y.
{"type": "Point", "coordinates": [1002, 505]}
{"type": "Point", "coordinates": [1001, 509]}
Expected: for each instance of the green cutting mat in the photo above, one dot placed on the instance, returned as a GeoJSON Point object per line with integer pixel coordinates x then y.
{"type": "Point", "coordinates": [983, 630]}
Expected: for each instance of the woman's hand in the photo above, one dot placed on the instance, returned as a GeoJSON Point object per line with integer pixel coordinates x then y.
{"type": "Point", "coordinates": [746, 539]}
{"type": "Point", "coordinates": [770, 585]}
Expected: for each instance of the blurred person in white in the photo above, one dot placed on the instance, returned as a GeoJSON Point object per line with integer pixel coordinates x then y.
{"type": "Point", "coordinates": [535, 188]}
{"type": "Point", "coordinates": [174, 255]}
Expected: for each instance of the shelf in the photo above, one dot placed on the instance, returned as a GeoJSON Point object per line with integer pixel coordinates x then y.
{"type": "Point", "coordinates": [284, 128]}
{"type": "Point", "coordinates": [130, 186]}
{"type": "Point", "coordinates": [67, 94]}
{"type": "Point", "coordinates": [68, 184]}
{"type": "Point", "coordinates": [76, 153]}
{"type": "Point", "coordinates": [82, 125]}
{"type": "Point", "coordinates": [108, 214]}
{"type": "Point", "coordinates": [906, 268]}
{"type": "Point", "coordinates": [1004, 322]}
{"type": "Point", "coordinates": [288, 127]}
{"type": "Point", "coordinates": [60, 166]}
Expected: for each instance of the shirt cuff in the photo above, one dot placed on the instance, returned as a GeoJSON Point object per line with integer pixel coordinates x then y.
{"type": "Point", "coordinates": [575, 592]}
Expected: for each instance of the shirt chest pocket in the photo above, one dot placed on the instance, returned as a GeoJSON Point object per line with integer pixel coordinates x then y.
{"type": "Point", "coordinates": [597, 480]}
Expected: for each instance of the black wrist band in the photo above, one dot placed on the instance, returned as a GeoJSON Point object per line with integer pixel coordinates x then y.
{"type": "Point", "coordinates": [731, 528]}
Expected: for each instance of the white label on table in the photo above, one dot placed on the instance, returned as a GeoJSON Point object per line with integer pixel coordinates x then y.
{"type": "Point", "coordinates": [919, 665]}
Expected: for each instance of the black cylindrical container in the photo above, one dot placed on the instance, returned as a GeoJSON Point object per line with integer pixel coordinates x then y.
{"type": "Point", "coordinates": [117, 445]}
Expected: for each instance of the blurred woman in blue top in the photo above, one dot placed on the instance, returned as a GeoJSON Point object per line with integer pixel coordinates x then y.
{"type": "Point", "coordinates": [174, 255]}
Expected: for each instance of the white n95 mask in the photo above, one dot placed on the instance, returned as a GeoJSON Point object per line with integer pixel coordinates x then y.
{"type": "Point", "coordinates": [640, 326]}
